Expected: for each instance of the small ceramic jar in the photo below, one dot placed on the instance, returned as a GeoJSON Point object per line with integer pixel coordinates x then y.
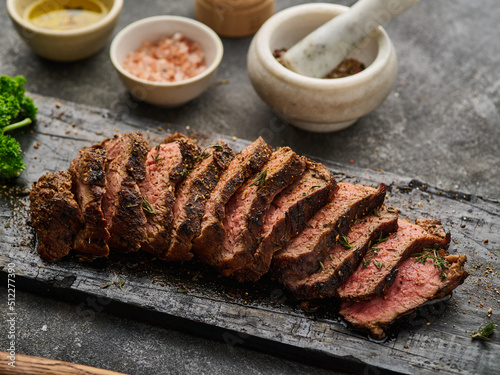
{"type": "Point", "coordinates": [234, 18]}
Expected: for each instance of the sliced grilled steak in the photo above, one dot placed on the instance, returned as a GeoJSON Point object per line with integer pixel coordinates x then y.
{"type": "Point", "coordinates": [245, 164]}
{"type": "Point", "coordinates": [344, 256]}
{"type": "Point", "coordinates": [89, 185]}
{"type": "Point", "coordinates": [417, 282]}
{"type": "Point", "coordinates": [288, 215]}
{"type": "Point", "coordinates": [191, 196]}
{"type": "Point", "coordinates": [166, 164]}
{"type": "Point", "coordinates": [246, 210]}
{"type": "Point", "coordinates": [301, 256]}
{"type": "Point", "coordinates": [55, 214]}
{"type": "Point", "coordinates": [122, 203]}
{"type": "Point", "coordinates": [380, 264]}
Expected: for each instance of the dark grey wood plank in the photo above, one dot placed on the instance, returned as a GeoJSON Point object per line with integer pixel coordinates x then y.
{"type": "Point", "coordinates": [437, 338]}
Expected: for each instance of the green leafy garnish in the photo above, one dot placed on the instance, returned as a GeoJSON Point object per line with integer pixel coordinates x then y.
{"type": "Point", "coordinates": [344, 242]}
{"type": "Point", "coordinates": [378, 264]}
{"type": "Point", "coordinates": [146, 206]}
{"type": "Point", "coordinates": [16, 110]}
{"type": "Point", "coordinates": [259, 180]}
{"type": "Point", "coordinates": [484, 333]}
{"type": "Point", "coordinates": [439, 262]}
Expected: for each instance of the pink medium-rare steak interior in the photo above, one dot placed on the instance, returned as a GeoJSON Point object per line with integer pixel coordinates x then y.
{"type": "Point", "coordinates": [301, 256]}
{"type": "Point", "coordinates": [244, 164]}
{"type": "Point", "coordinates": [382, 260]}
{"type": "Point", "coordinates": [245, 211]}
{"type": "Point", "coordinates": [418, 281]}
{"type": "Point", "coordinates": [344, 256]}
{"type": "Point", "coordinates": [287, 216]}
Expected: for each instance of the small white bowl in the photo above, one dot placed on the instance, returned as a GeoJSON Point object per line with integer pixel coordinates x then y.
{"type": "Point", "coordinates": [64, 45]}
{"type": "Point", "coordinates": [169, 94]}
{"type": "Point", "coordinates": [316, 104]}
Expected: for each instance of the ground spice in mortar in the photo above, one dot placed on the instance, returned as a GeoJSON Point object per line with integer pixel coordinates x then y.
{"type": "Point", "coordinates": [346, 68]}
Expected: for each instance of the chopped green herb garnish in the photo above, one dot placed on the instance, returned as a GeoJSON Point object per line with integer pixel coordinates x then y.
{"type": "Point", "coordinates": [146, 206]}
{"type": "Point", "coordinates": [156, 157]}
{"type": "Point", "coordinates": [484, 333]}
{"type": "Point", "coordinates": [322, 265]}
{"type": "Point", "coordinates": [344, 242]}
{"type": "Point", "coordinates": [180, 290]}
{"type": "Point", "coordinates": [259, 180]}
{"type": "Point", "coordinates": [439, 262]}
{"type": "Point", "coordinates": [376, 212]}
{"type": "Point", "coordinates": [365, 263]}
{"type": "Point", "coordinates": [381, 239]}
{"type": "Point", "coordinates": [378, 264]}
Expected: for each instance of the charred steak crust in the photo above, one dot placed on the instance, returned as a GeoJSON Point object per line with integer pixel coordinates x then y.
{"type": "Point", "coordinates": [89, 186]}
{"type": "Point", "coordinates": [245, 211]}
{"type": "Point", "coordinates": [122, 203]}
{"type": "Point", "coordinates": [166, 165]}
{"type": "Point", "coordinates": [244, 164]}
{"type": "Point", "coordinates": [416, 283]}
{"type": "Point", "coordinates": [344, 256]}
{"type": "Point", "coordinates": [190, 155]}
{"type": "Point", "coordinates": [301, 256]}
{"type": "Point", "coordinates": [380, 265]}
{"type": "Point", "coordinates": [288, 215]}
{"type": "Point", "coordinates": [54, 214]}
{"type": "Point", "coordinates": [191, 197]}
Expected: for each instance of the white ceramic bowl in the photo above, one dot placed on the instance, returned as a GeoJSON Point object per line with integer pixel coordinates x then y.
{"type": "Point", "coordinates": [315, 104]}
{"type": "Point", "coordinates": [64, 45]}
{"type": "Point", "coordinates": [166, 94]}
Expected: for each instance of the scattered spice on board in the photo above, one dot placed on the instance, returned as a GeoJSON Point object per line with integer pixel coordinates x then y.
{"type": "Point", "coordinates": [169, 59]}
{"type": "Point", "coordinates": [346, 68]}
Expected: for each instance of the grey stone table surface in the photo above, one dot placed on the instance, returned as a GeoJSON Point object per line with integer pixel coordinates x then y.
{"type": "Point", "coordinates": [440, 125]}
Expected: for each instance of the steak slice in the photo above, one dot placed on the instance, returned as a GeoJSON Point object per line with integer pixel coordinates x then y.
{"type": "Point", "coordinates": [54, 214]}
{"type": "Point", "coordinates": [345, 255]}
{"type": "Point", "coordinates": [89, 184]}
{"type": "Point", "coordinates": [380, 264]}
{"type": "Point", "coordinates": [166, 164]}
{"type": "Point", "coordinates": [122, 202]}
{"type": "Point", "coordinates": [245, 164]}
{"type": "Point", "coordinates": [301, 256]}
{"type": "Point", "coordinates": [191, 196]}
{"type": "Point", "coordinates": [419, 280]}
{"type": "Point", "coordinates": [246, 210]}
{"type": "Point", "coordinates": [287, 216]}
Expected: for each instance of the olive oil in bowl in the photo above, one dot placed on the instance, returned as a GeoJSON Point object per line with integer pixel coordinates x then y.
{"type": "Point", "coordinates": [65, 14]}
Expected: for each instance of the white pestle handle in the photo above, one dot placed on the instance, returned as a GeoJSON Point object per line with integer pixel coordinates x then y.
{"type": "Point", "coordinates": [326, 47]}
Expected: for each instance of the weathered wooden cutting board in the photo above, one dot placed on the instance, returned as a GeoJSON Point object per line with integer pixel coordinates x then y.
{"type": "Point", "coordinates": [436, 339]}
